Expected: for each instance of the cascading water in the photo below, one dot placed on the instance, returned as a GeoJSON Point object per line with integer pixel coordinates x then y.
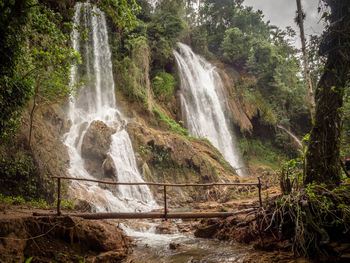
{"type": "Point", "coordinates": [202, 106]}
{"type": "Point", "coordinates": [96, 101]}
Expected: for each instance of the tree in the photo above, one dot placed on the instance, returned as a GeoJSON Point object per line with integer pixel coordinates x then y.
{"type": "Point", "coordinates": [236, 47]}
{"type": "Point", "coordinates": [47, 58]}
{"type": "Point", "coordinates": [217, 16]}
{"type": "Point", "coordinates": [123, 13]}
{"type": "Point", "coordinates": [323, 155]}
{"type": "Point", "coordinates": [14, 90]}
{"type": "Point", "coordinates": [300, 22]}
{"type": "Point", "coordinates": [165, 29]}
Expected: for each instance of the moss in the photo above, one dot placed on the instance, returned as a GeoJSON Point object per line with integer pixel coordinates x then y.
{"type": "Point", "coordinates": [173, 125]}
{"type": "Point", "coordinates": [259, 152]}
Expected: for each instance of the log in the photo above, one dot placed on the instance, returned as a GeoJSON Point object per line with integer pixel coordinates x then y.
{"type": "Point", "coordinates": [188, 215]}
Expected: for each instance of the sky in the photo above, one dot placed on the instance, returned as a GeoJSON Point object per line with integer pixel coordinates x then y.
{"type": "Point", "coordinates": [282, 12]}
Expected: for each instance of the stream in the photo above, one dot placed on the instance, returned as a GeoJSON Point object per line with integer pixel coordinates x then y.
{"type": "Point", "coordinates": [177, 247]}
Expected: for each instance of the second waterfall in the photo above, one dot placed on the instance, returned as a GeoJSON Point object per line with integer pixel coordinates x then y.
{"type": "Point", "coordinates": [99, 146]}
{"type": "Point", "coordinates": [203, 107]}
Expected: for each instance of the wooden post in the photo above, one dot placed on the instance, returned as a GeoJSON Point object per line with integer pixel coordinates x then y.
{"type": "Point", "coordinates": [58, 196]}
{"type": "Point", "coordinates": [259, 186]}
{"type": "Point", "coordinates": [165, 204]}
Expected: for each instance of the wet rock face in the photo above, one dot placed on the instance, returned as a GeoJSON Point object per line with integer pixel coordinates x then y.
{"type": "Point", "coordinates": [95, 147]}
{"type": "Point", "coordinates": [109, 169]}
{"type": "Point", "coordinates": [169, 157]}
{"type": "Point", "coordinates": [48, 151]}
{"type": "Point", "coordinates": [96, 141]}
{"type": "Point", "coordinates": [77, 239]}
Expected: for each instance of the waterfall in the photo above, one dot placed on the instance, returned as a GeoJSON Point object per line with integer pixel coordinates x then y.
{"type": "Point", "coordinates": [96, 101]}
{"type": "Point", "coordinates": [202, 104]}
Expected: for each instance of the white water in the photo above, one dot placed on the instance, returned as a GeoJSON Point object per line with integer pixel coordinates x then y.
{"type": "Point", "coordinates": [202, 104]}
{"type": "Point", "coordinates": [154, 247]}
{"type": "Point", "coordinates": [96, 101]}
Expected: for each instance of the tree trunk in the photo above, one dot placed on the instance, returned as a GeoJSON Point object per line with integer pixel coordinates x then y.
{"type": "Point", "coordinates": [31, 117]}
{"type": "Point", "coordinates": [311, 98]}
{"type": "Point", "coordinates": [323, 155]}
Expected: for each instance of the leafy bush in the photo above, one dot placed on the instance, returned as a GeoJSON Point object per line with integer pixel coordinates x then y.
{"type": "Point", "coordinates": [261, 152]}
{"type": "Point", "coordinates": [163, 86]}
{"type": "Point", "coordinates": [18, 175]}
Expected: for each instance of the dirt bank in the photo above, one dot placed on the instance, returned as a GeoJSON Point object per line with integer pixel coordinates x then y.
{"type": "Point", "coordinates": [61, 239]}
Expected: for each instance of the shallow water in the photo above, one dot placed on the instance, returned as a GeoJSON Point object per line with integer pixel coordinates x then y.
{"type": "Point", "coordinates": [154, 247]}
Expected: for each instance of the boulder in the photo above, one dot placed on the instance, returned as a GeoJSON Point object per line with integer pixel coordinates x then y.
{"type": "Point", "coordinates": [82, 205]}
{"type": "Point", "coordinates": [109, 169]}
{"type": "Point", "coordinates": [95, 147]}
{"type": "Point", "coordinates": [166, 228]}
{"type": "Point", "coordinates": [206, 231]}
{"type": "Point", "coordinates": [174, 246]}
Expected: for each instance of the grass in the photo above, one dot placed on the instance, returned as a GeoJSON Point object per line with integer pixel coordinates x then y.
{"type": "Point", "coordinates": [39, 203]}
{"type": "Point", "coordinates": [174, 126]}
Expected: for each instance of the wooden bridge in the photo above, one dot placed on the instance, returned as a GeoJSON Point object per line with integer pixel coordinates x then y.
{"type": "Point", "coordinates": [165, 215]}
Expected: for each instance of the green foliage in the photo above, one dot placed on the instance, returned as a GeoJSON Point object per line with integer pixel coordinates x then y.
{"type": "Point", "coordinates": [18, 175]}
{"type": "Point", "coordinates": [122, 12]}
{"type": "Point", "coordinates": [173, 125]}
{"type": "Point", "coordinates": [317, 216]}
{"type": "Point", "coordinates": [346, 123]}
{"type": "Point", "coordinates": [20, 200]}
{"type": "Point", "coordinates": [236, 46]}
{"type": "Point", "coordinates": [291, 174]}
{"type": "Point", "coordinates": [257, 151]}
{"type": "Point", "coordinates": [145, 150]}
{"type": "Point", "coordinates": [163, 85]}
{"type": "Point", "coordinates": [39, 203]}
{"type": "Point", "coordinates": [133, 71]}
{"type": "Point", "coordinates": [69, 205]}
{"type": "Point", "coordinates": [41, 62]}
{"type": "Point", "coordinates": [14, 91]}
{"type": "Point", "coordinates": [216, 16]}
{"type": "Point", "coordinates": [49, 56]}
{"type": "Point", "coordinates": [165, 29]}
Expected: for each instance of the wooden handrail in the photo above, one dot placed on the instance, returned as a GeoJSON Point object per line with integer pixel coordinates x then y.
{"type": "Point", "coordinates": [165, 185]}
{"type": "Point", "coordinates": [150, 183]}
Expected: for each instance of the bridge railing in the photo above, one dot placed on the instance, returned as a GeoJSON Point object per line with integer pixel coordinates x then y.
{"type": "Point", "coordinates": [164, 185]}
